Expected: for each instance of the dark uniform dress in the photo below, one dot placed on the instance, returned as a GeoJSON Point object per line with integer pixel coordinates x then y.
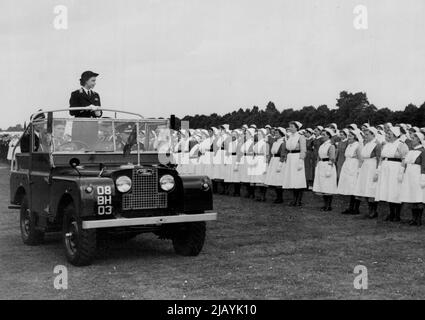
{"type": "Point", "coordinates": [80, 98]}
{"type": "Point", "coordinates": [309, 162]}
{"type": "Point", "coordinates": [84, 131]}
{"type": "Point", "coordinates": [340, 155]}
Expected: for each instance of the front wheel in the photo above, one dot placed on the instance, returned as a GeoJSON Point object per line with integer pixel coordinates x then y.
{"type": "Point", "coordinates": [27, 220]}
{"type": "Point", "coordinates": [79, 244]}
{"type": "Point", "coordinates": [188, 239]}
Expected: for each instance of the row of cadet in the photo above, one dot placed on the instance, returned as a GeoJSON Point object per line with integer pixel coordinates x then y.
{"type": "Point", "coordinates": [385, 163]}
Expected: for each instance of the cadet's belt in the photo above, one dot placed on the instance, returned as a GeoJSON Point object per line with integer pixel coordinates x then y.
{"type": "Point", "coordinates": [294, 151]}
{"type": "Point", "coordinates": [234, 154]}
{"type": "Point", "coordinates": [324, 159]}
{"type": "Point", "coordinates": [276, 155]}
{"type": "Point", "coordinates": [248, 154]}
{"type": "Point", "coordinates": [393, 159]}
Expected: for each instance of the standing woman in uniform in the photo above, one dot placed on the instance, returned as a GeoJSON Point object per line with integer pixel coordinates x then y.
{"type": "Point", "coordinates": [232, 175]}
{"type": "Point", "coordinates": [389, 172]}
{"type": "Point", "coordinates": [294, 170]}
{"type": "Point", "coordinates": [261, 155]}
{"type": "Point", "coordinates": [245, 162]}
{"type": "Point", "coordinates": [341, 145]}
{"type": "Point", "coordinates": [366, 186]}
{"type": "Point", "coordinates": [413, 185]}
{"type": "Point", "coordinates": [275, 170]}
{"type": "Point", "coordinates": [350, 170]}
{"type": "Point", "coordinates": [325, 174]}
{"type": "Point", "coordinates": [309, 157]}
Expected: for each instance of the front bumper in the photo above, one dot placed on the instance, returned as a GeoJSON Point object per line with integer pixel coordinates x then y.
{"type": "Point", "coordinates": [132, 222]}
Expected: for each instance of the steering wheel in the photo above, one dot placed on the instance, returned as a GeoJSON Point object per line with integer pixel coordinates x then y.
{"type": "Point", "coordinates": [73, 146]}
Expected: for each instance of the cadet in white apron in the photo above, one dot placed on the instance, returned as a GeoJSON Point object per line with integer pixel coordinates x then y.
{"type": "Point", "coordinates": [366, 186]}
{"type": "Point", "coordinates": [233, 174]}
{"type": "Point", "coordinates": [413, 185]}
{"type": "Point", "coordinates": [206, 149]}
{"type": "Point", "coordinates": [259, 168]}
{"type": "Point", "coordinates": [294, 169]}
{"type": "Point", "coordinates": [183, 153]}
{"type": "Point", "coordinates": [325, 173]}
{"type": "Point", "coordinates": [275, 170]}
{"type": "Point", "coordinates": [349, 172]}
{"type": "Point", "coordinates": [388, 187]}
{"type": "Point", "coordinates": [192, 167]}
{"type": "Point", "coordinates": [245, 162]}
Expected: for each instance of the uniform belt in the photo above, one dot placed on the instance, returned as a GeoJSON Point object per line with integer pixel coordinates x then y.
{"type": "Point", "coordinates": [234, 154]}
{"type": "Point", "coordinates": [247, 154]}
{"type": "Point", "coordinates": [324, 159]}
{"type": "Point", "coordinates": [276, 155]}
{"type": "Point", "coordinates": [393, 159]}
{"type": "Point", "coordinates": [294, 151]}
{"type": "Point", "coordinates": [259, 154]}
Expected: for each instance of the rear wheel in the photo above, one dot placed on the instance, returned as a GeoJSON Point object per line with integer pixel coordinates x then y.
{"type": "Point", "coordinates": [27, 220]}
{"type": "Point", "coordinates": [188, 239]}
{"type": "Point", "coordinates": [79, 244]}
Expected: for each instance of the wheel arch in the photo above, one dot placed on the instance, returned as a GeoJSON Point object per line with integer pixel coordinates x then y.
{"type": "Point", "coordinates": [19, 195]}
{"type": "Point", "coordinates": [64, 201]}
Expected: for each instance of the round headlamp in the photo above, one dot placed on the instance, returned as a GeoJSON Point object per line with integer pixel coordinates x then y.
{"type": "Point", "coordinates": [123, 184]}
{"type": "Point", "coordinates": [167, 182]}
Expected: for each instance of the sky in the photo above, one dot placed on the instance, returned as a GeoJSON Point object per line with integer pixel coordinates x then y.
{"type": "Point", "coordinates": [162, 57]}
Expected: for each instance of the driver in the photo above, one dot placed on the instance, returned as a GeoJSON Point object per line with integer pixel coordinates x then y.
{"type": "Point", "coordinates": [59, 137]}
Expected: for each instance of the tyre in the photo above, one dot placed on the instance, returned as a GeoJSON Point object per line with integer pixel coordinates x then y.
{"type": "Point", "coordinates": [79, 243]}
{"type": "Point", "coordinates": [188, 239]}
{"type": "Point", "coordinates": [27, 220]}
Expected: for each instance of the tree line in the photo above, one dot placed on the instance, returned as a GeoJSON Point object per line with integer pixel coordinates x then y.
{"type": "Point", "coordinates": [350, 108]}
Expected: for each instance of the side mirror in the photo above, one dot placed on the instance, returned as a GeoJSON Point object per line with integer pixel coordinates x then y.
{"type": "Point", "coordinates": [74, 162]}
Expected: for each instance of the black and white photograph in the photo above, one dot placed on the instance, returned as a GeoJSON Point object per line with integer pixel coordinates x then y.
{"type": "Point", "coordinates": [212, 155]}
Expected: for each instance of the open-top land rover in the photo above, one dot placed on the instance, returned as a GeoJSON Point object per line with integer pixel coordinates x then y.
{"type": "Point", "coordinates": [92, 178]}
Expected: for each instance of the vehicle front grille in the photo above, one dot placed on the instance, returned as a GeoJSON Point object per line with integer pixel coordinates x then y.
{"type": "Point", "coordinates": [144, 193]}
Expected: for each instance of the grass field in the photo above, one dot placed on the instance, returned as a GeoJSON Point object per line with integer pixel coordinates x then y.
{"type": "Point", "coordinates": [254, 251]}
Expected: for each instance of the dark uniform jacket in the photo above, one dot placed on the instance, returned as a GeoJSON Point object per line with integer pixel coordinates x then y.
{"type": "Point", "coordinates": [80, 98]}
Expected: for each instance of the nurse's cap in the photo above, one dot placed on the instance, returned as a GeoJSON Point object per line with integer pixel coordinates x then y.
{"type": "Point", "coordinates": [333, 126]}
{"type": "Point", "coordinates": [380, 127]}
{"type": "Point", "coordinates": [421, 136]}
{"type": "Point", "coordinates": [330, 131]}
{"type": "Point", "coordinates": [298, 124]}
{"type": "Point", "coordinates": [214, 129]}
{"type": "Point", "coordinates": [282, 131]}
{"type": "Point", "coordinates": [396, 131]}
{"type": "Point", "coordinates": [353, 126]}
{"type": "Point", "coordinates": [358, 134]}
{"type": "Point", "coordinates": [225, 127]}
{"type": "Point", "coordinates": [320, 128]}
{"type": "Point", "coordinates": [245, 126]}
{"type": "Point", "coordinates": [373, 131]}
{"type": "Point", "coordinates": [268, 126]}
{"type": "Point", "coordinates": [310, 130]}
{"type": "Point", "coordinates": [346, 131]}
{"type": "Point", "coordinates": [253, 126]}
{"type": "Point", "coordinates": [263, 131]}
{"type": "Point", "coordinates": [366, 125]}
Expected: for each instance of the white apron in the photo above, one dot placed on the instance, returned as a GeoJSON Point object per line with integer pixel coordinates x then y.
{"type": "Point", "coordinates": [218, 159]}
{"type": "Point", "coordinates": [205, 159]}
{"type": "Point", "coordinates": [246, 161]}
{"type": "Point", "coordinates": [274, 178]}
{"type": "Point", "coordinates": [232, 175]}
{"type": "Point", "coordinates": [183, 157]}
{"type": "Point", "coordinates": [411, 191]}
{"type": "Point", "coordinates": [365, 186]}
{"type": "Point", "coordinates": [388, 187]}
{"type": "Point", "coordinates": [294, 178]}
{"type": "Point", "coordinates": [349, 171]}
{"type": "Point", "coordinates": [325, 174]}
{"type": "Point", "coordinates": [259, 168]}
